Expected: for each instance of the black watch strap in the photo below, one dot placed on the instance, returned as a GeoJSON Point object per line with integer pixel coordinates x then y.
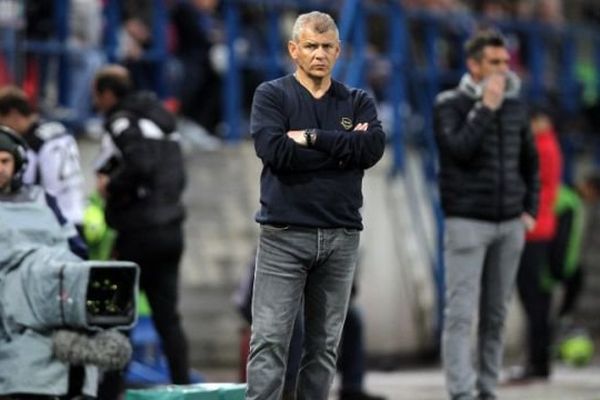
{"type": "Point", "coordinates": [308, 135]}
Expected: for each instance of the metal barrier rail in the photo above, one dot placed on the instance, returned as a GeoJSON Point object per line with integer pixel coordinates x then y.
{"type": "Point", "coordinates": [412, 82]}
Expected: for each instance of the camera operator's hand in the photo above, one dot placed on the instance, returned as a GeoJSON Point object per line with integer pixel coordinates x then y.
{"type": "Point", "coordinates": [493, 91]}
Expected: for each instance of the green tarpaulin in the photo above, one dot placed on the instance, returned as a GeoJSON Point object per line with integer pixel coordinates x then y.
{"type": "Point", "coordinates": [201, 391]}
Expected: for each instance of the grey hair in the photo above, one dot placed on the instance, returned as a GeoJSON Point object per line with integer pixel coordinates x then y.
{"type": "Point", "coordinates": [318, 21]}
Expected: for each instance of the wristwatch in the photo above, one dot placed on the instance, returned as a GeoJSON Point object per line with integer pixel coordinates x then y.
{"type": "Point", "coordinates": [310, 136]}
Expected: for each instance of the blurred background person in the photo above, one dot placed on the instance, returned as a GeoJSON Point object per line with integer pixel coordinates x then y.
{"type": "Point", "coordinates": [85, 36]}
{"type": "Point", "coordinates": [141, 176]}
{"type": "Point", "coordinates": [198, 30]}
{"type": "Point", "coordinates": [536, 254]}
{"type": "Point", "coordinates": [53, 153]}
{"type": "Point", "coordinates": [559, 272]}
{"type": "Point", "coordinates": [489, 186]}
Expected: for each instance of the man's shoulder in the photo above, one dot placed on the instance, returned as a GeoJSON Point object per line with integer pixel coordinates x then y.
{"type": "Point", "coordinates": [343, 91]}
{"type": "Point", "coordinates": [135, 106]}
{"type": "Point", "coordinates": [279, 84]}
{"type": "Point", "coordinates": [118, 122]}
{"type": "Point", "coordinates": [448, 96]}
{"type": "Point", "coordinates": [343, 88]}
{"type": "Point", "coordinates": [120, 114]}
{"type": "Point", "coordinates": [25, 194]}
{"type": "Point", "coordinates": [45, 131]}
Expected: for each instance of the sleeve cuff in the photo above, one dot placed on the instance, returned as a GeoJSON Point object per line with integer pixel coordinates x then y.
{"type": "Point", "coordinates": [325, 140]}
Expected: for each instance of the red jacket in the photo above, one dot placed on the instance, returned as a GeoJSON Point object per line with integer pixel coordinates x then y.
{"type": "Point", "coordinates": [550, 162]}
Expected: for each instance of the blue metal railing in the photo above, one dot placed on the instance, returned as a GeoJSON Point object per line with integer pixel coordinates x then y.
{"type": "Point", "coordinates": [397, 54]}
{"type": "Point", "coordinates": [14, 46]}
{"type": "Point", "coordinates": [417, 83]}
{"type": "Point", "coordinates": [231, 89]}
{"type": "Point", "coordinates": [353, 23]}
{"type": "Point", "coordinates": [413, 82]}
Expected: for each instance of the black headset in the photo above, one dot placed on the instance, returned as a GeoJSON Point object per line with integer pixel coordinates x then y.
{"type": "Point", "coordinates": [19, 153]}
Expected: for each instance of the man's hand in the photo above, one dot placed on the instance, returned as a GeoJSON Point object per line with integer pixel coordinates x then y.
{"type": "Point", "coordinates": [102, 184]}
{"type": "Point", "coordinates": [493, 91]}
{"type": "Point", "coordinates": [528, 221]}
{"type": "Point", "coordinates": [298, 137]}
{"type": "Point", "coordinates": [361, 127]}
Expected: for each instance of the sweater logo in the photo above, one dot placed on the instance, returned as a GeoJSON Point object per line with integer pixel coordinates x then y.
{"type": "Point", "coordinates": [346, 123]}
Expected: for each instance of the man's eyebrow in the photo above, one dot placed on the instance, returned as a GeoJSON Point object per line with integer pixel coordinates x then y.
{"type": "Point", "coordinates": [310, 41]}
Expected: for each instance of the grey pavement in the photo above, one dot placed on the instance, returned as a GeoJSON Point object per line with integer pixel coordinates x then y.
{"type": "Point", "coordinates": [221, 235]}
{"type": "Point", "coordinates": [428, 384]}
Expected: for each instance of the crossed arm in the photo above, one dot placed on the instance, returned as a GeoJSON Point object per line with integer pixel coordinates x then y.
{"type": "Point", "coordinates": [286, 150]}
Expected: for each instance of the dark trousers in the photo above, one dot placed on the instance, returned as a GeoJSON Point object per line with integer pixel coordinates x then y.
{"type": "Point", "coordinates": [351, 359]}
{"type": "Point", "coordinates": [157, 252]}
{"type": "Point", "coordinates": [536, 302]}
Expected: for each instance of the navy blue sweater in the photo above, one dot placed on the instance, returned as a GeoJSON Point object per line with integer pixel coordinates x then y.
{"type": "Point", "coordinates": [321, 186]}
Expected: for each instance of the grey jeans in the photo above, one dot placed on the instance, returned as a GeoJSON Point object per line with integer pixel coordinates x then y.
{"type": "Point", "coordinates": [481, 260]}
{"type": "Point", "coordinates": [294, 263]}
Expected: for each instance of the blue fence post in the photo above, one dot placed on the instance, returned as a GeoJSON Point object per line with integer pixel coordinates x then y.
{"type": "Point", "coordinates": [159, 47]}
{"type": "Point", "coordinates": [432, 81]}
{"type": "Point", "coordinates": [9, 52]}
{"type": "Point", "coordinates": [231, 89]}
{"type": "Point", "coordinates": [570, 100]}
{"type": "Point", "coordinates": [355, 73]}
{"type": "Point", "coordinates": [112, 16]}
{"type": "Point", "coordinates": [536, 49]}
{"type": "Point", "coordinates": [345, 26]}
{"type": "Point", "coordinates": [13, 23]}
{"type": "Point", "coordinates": [61, 19]}
{"type": "Point", "coordinates": [569, 97]}
{"type": "Point", "coordinates": [596, 39]}
{"type": "Point", "coordinates": [397, 54]}
{"type": "Point", "coordinates": [273, 44]}
{"type": "Point", "coordinates": [429, 165]}
{"type": "Point", "coordinates": [347, 18]}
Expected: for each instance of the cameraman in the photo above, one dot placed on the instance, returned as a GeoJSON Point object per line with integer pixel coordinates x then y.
{"type": "Point", "coordinates": [30, 218]}
{"type": "Point", "coordinates": [13, 163]}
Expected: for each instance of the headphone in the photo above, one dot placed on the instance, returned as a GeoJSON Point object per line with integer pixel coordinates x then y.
{"type": "Point", "coordinates": [19, 152]}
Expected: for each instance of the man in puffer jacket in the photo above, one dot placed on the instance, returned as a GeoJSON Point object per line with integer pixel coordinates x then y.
{"type": "Point", "coordinates": [489, 189]}
{"type": "Point", "coordinates": [141, 175]}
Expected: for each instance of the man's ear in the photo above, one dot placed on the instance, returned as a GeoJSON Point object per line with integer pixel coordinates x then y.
{"type": "Point", "coordinates": [338, 50]}
{"type": "Point", "coordinates": [473, 67]}
{"type": "Point", "coordinates": [293, 49]}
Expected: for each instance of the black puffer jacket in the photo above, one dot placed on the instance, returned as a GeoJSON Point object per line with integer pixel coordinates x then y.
{"type": "Point", "coordinates": [488, 160]}
{"type": "Point", "coordinates": [146, 171]}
